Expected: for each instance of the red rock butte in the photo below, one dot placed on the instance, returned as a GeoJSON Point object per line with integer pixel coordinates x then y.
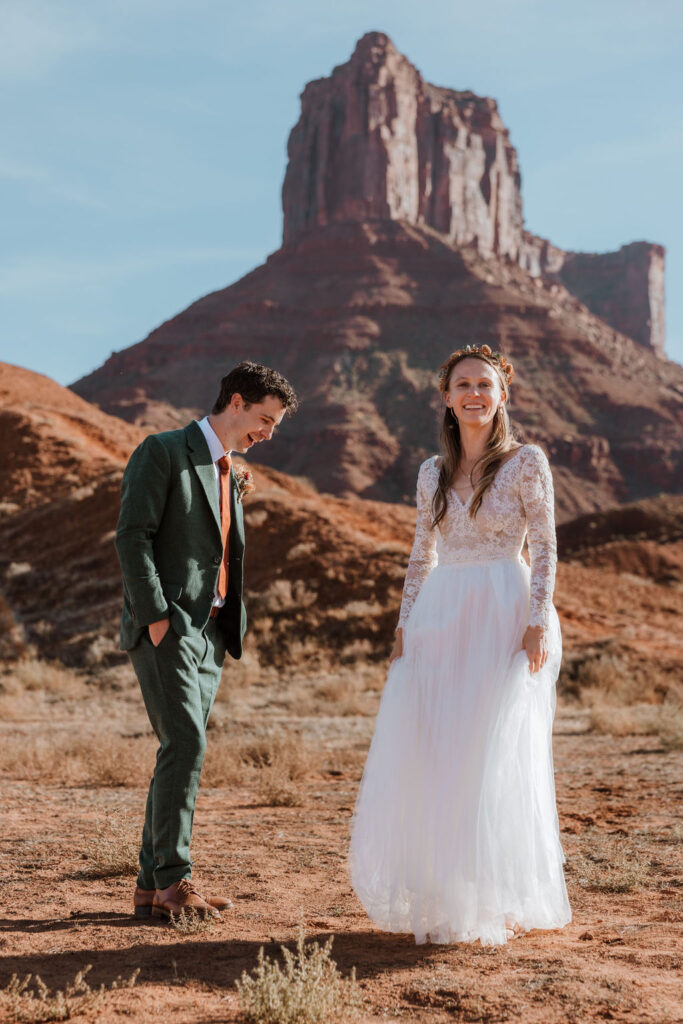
{"type": "Point", "coordinates": [403, 240]}
{"type": "Point", "coordinates": [377, 142]}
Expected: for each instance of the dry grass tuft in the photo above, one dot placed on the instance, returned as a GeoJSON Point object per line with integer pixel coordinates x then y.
{"type": "Point", "coordinates": [308, 989]}
{"type": "Point", "coordinates": [670, 726]}
{"type": "Point", "coordinates": [114, 848]}
{"type": "Point", "coordinates": [662, 720]}
{"type": "Point", "coordinates": [621, 703]}
{"type": "Point", "coordinates": [610, 673]}
{"type": "Point", "coordinates": [612, 720]}
{"type": "Point", "coordinates": [276, 789]}
{"type": "Point", "coordinates": [26, 1004]}
{"type": "Point", "coordinates": [234, 759]}
{"type": "Point", "coordinates": [35, 674]}
{"type": "Point", "coordinates": [191, 922]}
{"type": "Point", "coordinates": [101, 759]}
{"type": "Point", "coordinates": [611, 865]}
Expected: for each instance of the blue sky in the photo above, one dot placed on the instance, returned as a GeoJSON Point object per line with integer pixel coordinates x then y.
{"type": "Point", "coordinates": [143, 142]}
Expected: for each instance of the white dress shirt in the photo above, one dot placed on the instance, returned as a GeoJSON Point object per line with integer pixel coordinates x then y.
{"type": "Point", "coordinates": [216, 451]}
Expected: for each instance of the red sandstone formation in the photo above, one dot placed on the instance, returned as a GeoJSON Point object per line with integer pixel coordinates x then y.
{"type": "Point", "coordinates": [624, 288]}
{"type": "Point", "coordinates": [404, 240]}
{"type": "Point", "coordinates": [376, 142]}
{"type": "Point", "coordinates": [360, 315]}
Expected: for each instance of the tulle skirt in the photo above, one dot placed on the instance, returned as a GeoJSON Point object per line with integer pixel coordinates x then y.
{"type": "Point", "coordinates": [455, 834]}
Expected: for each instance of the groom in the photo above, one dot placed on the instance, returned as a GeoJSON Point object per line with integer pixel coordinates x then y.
{"type": "Point", "coordinates": [180, 542]}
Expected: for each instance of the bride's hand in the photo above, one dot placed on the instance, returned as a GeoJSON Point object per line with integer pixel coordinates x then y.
{"type": "Point", "coordinates": [397, 649]}
{"type": "Point", "coordinates": [535, 643]}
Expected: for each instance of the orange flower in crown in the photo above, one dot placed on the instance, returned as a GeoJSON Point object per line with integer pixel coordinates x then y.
{"type": "Point", "coordinates": [495, 359]}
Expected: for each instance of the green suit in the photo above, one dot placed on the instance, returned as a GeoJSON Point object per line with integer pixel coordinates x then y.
{"type": "Point", "coordinates": [168, 541]}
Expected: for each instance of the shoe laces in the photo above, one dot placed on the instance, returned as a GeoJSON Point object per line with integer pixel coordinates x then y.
{"type": "Point", "coordinates": [186, 887]}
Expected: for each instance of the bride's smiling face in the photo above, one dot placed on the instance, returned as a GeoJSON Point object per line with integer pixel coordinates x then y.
{"type": "Point", "coordinates": [474, 392]}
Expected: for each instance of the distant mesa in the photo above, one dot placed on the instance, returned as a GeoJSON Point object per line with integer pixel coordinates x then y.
{"type": "Point", "coordinates": [403, 240]}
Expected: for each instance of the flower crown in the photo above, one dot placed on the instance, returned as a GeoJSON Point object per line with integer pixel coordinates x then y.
{"type": "Point", "coordinates": [491, 357]}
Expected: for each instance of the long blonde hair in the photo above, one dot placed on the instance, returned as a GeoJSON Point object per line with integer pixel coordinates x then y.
{"type": "Point", "coordinates": [451, 444]}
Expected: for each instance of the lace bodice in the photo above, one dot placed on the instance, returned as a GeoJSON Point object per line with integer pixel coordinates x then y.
{"type": "Point", "coordinates": [518, 503]}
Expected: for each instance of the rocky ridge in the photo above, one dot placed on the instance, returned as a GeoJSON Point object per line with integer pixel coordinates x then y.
{"type": "Point", "coordinates": [360, 316]}
{"type": "Point", "coordinates": [324, 575]}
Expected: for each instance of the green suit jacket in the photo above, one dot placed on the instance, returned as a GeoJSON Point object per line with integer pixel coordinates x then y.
{"type": "Point", "coordinates": [169, 544]}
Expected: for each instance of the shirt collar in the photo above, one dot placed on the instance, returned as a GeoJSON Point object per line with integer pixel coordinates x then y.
{"type": "Point", "coordinates": [216, 449]}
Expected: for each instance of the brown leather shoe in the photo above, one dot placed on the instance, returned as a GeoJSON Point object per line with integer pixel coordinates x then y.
{"type": "Point", "coordinates": [180, 896]}
{"type": "Point", "coordinates": [143, 900]}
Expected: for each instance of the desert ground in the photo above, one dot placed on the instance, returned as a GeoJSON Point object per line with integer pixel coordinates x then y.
{"type": "Point", "coordinates": [271, 832]}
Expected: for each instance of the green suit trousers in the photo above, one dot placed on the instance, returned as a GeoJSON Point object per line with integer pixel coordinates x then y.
{"type": "Point", "coordinates": [179, 680]}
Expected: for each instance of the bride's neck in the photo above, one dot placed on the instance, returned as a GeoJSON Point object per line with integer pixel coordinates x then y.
{"type": "Point", "coordinates": [473, 444]}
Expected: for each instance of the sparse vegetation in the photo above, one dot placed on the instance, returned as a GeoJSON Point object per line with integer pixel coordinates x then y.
{"type": "Point", "coordinates": [307, 989]}
{"type": "Point", "coordinates": [233, 758]}
{"type": "Point", "coordinates": [277, 789]}
{"type": "Point", "coordinates": [34, 1003]}
{"type": "Point", "coordinates": [114, 848]}
{"type": "Point", "coordinates": [191, 922]}
{"type": "Point", "coordinates": [622, 700]}
{"type": "Point", "coordinates": [99, 759]}
{"type": "Point", "coordinates": [670, 725]}
{"type": "Point", "coordinates": [37, 674]}
{"type": "Point", "coordinates": [610, 864]}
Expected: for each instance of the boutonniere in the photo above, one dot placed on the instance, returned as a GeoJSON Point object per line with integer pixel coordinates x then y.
{"type": "Point", "coordinates": [244, 479]}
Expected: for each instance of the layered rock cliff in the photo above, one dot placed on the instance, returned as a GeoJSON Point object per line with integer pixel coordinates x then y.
{"type": "Point", "coordinates": [624, 288]}
{"type": "Point", "coordinates": [403, 241]}
{"type": "Point", "coordinates": [361, 315]}
{"type": "Point", "coordinates": [376, 142]}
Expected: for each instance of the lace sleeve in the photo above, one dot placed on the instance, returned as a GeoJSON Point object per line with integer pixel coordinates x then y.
{"type": "Point", "coordinates": [536, 489]}
{"type": "Point", "coordinates": [423, 555]}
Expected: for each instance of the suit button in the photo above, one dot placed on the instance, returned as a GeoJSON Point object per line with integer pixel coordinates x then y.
{"type": "Point", "coordinates": [216, 559]}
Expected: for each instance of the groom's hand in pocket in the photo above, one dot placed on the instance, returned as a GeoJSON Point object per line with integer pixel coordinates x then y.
{"type": "Point", "coordinates": [158, 630]}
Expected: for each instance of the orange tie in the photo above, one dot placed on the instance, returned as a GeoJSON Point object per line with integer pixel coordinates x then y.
{"type": "Point", "coordinates": [224, 466]}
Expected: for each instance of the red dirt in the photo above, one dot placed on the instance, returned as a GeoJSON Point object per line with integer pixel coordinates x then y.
{"type": "Point", "coordinates": [618, 959]}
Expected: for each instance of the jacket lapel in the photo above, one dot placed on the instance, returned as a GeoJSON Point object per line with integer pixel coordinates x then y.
{"type": "Point", "coordinates": [200, 457]}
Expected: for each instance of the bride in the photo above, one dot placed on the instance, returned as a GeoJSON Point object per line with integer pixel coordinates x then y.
{"type": "Point", "coordinates": [455, 834]}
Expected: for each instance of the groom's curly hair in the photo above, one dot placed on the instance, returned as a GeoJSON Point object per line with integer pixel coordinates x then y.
{"type": "Point", "coordinates": [255, 382]}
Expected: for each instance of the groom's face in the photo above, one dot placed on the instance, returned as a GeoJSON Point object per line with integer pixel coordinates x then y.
{"type": "Point", "coordinates": [255, 422]}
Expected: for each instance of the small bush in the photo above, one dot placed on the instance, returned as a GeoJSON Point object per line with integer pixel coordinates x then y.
{"type": "Point", "coordinates": [25, 1004]}
{"type": "Point", "coordinates": [670, 726]}
{"type": "Point", "coordinates": [114, 848]}
{"type": "Point", "coordinates": [101, 759]}
{"type": "Point", "coordinates": [276, 789]}
{"type": "Point", "coordinates": [639, 720]}
{"type": "Point", "coordinates": [610, 865]}
{"type": "Point", "coordinates": [35, 674]}
{"type": "Point", "coordinates": [307, 990]}
{"type": "Point", "coordinates": [233, 759]}
{"type": "Point", "coordinates": [191, 922]}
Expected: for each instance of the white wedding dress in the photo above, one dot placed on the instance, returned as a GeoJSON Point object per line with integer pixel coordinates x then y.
{"type": "Point", "coordinates": [455, 834]}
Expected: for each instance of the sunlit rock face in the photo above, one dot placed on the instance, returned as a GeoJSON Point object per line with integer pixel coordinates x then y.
{"type": "Point", "coordinates": [377, 142]}
{"type": "Point", "coordinates": [404, 241]}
